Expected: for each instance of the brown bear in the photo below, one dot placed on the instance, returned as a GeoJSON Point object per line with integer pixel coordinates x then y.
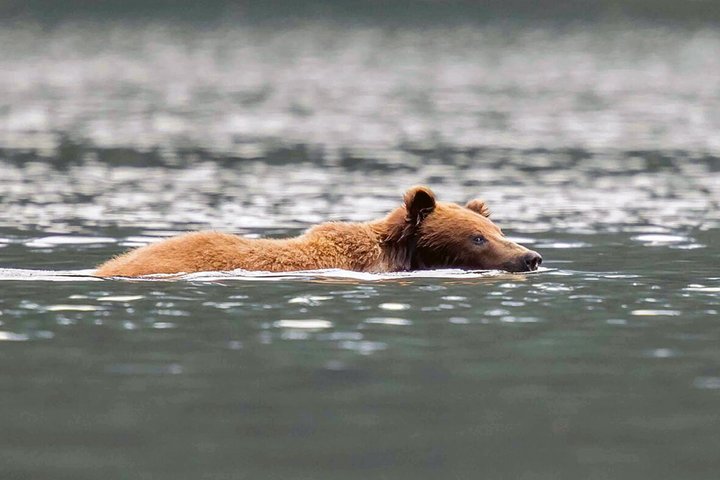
{"type": "Point", "coordinates": [421, 234]}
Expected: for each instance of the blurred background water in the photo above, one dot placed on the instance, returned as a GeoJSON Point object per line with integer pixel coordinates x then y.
{"type": "Point", "coordinates": [589, 127]}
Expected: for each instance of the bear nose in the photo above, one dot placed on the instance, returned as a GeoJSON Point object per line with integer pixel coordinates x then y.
{"type": "Point", "coordinates": [532, 260]}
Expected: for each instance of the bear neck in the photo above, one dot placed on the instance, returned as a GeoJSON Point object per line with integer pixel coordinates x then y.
{"type": "Point", "coordinates": [397, 237]}
{"type": "Point", "coordinates": [385, 245]}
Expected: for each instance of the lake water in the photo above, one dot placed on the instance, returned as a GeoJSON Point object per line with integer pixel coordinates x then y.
{"type": "Point", "coordinates": [595, 145]}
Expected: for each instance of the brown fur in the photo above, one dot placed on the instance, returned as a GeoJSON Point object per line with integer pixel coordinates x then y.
{"type": "Point", "coordinates": [420, 234]}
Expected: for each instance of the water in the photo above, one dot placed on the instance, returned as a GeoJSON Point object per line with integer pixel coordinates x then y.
{"type": "Point", "coordinates": [594, 145]}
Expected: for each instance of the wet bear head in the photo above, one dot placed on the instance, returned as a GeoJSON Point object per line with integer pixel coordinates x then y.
{"type": "Point", "coordinates": [426, 234]}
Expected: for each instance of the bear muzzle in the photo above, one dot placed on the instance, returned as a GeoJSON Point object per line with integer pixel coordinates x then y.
{"type": "Point", "coordinates": [528, 262]}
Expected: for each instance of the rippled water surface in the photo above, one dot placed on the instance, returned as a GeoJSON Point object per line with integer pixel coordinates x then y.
{"type": "Point", "coordinates": [595, 146]}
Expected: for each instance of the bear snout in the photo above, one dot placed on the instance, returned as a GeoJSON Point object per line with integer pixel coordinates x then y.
{"type": "Point", "coordinates": [531, 261]}
{"type": "Point", "coordinates": [526, 262]}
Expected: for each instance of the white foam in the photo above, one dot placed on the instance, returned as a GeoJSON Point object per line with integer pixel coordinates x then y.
{"type": "Point", "coordinates": [73, 308]}
{"type": "Point", "coordinates": [56, 240]}
{"type": "Point", "coordinates": [655, 313]}
{"type": "Point", "coordinates": [245, 275]}
{"type": "Point", "coordinates": [12, 337]}
{"type": "Point", "coordinates": [121, 298]}
{"type": "Point", "coordinates": [303, 324]}
{"type": "Point", "coordinates": [660, 239]}
{"type": "Point", "coordinates": [19, 274]}
{"type": "Point", "coordinates": [394, 306]}
{"type": "Point", "coordinates": [394, 321]}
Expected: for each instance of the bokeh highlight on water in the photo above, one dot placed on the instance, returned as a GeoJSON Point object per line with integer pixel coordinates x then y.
{"type": "Point", "coordinates": [594, 144]}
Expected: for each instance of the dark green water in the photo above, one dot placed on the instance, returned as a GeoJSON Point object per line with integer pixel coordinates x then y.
{"type": "Point", "coordinates": [596, 146]}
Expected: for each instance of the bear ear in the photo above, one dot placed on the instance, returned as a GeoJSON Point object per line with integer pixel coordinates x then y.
{"type": "Point", "coordinates": [478, 206]}
{"type": "Point", "coordinates": [419, 202]}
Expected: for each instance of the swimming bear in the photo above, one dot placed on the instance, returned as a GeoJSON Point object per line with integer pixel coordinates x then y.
{"type": "Point", "coordinates": [421, 234]}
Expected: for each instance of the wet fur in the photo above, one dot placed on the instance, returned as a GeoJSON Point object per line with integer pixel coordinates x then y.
{"type": "Point", "coordinates": [420, 234]}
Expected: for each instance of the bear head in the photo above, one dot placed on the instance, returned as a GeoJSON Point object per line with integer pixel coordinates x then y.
{"type": "Point", "coordinates": [426, 234]}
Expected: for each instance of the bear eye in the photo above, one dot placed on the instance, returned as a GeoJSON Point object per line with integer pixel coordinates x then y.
{"type": "Point", "coordinates": [479, 240]}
